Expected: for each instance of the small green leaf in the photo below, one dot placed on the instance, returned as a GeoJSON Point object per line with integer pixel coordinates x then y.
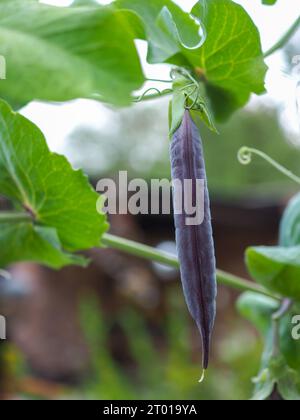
{"type": "Point", "coordinates": [257, 309]}
{"type": "Point", "coordinates": [265, 384]}
{"type": "Point", "coordinates": [276, 268]}
{"type": "Point", "coordinates": [277, 375]}
{"type": "Point", "coordinates": [60, 53]}
{"type": "Point", "coordinates": [60, 200]}
{"type": "Point", "coordinates": [287, 380]}
{"type": "Point", "coordinates": [187, 93]}
{"type": "Point", "coordinates": [201, 111]}
{"type": "Point", "coordinates": [290, 223]}
{"type": "Point", "coordinates": [177, 111]}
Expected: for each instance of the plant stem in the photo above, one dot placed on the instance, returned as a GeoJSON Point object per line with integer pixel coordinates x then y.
{"type": "Point", "coordinates": [285, 38]}
{"type": "Point", "coordinates": [152, 96]}
{"type": "Point", "coordinates": [149, 253]}
{"type": "Point", "coordinates": [140, 250]}
{"type": "Point", "coordinates": [245, 158]}
{"type": "Point", "coordinates": [13, 217]}
{"type": "Point", "coordinates": [165, 258]}
{"type": "Point", "coordinates": [286, 305]}
{"type": "Point", "coordinates": [159, 80]}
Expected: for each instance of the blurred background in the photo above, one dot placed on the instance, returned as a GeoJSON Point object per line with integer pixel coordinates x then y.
{"type": "Point", "coordinates": [120, 329]}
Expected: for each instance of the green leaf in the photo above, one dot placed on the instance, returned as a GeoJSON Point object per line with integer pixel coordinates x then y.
{"type": "Point", "coordinates": [257, 309]}
{"type": "Point", "coordinates": [45, 185]}
{"type": "Point", "coordinates": [169, 30]}
{"type": "Point", "coordinates": [177, 111]}
{"type": "Point", "coordinates": [278, 375]}
{"type": "Point", "coordinates": [231, 59]}
{"type": "Point", "coordinates": [269, 2]}
{"type": "Point", "coordinates": [59, 53]}
{"type": "Point", "coordinates": [289, 347]}
{"type": "Point", "coordinates": [287, 379]}
{"type": "Point", "coordinates": [275, 373]}
{"type": "Point", "coordinates": [26, 242]}
{"type": "Point", "coordinates": [187, 93]}
{"type": "Point", "coordinates": [218, 42]}
{"type": "Point", "coordinates": [265, 384]}
{"type": "Point", "coordinates": [185, 38]}
{"type": "Point", "coordinates": [276, 268]}
{"type": "Point", "coordinates": [290, 223]}
{"type": "Point", "coordinates": [201, 111]}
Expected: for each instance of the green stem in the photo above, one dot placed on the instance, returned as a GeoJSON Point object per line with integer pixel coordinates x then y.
{"type": "Point", "coordinates": [13, 217]}
{"type": "Point", "coordinates": [159, 80]}
{"type": "Point", "coordinates": [152, 96]}
{"type": "Point", "coordinates": [140, 250]}
{"type": "Point", "coordinates": [286, 37]}
{"type": "Point", "coordinates": [149, 253]}
{"type": "Point", "coordinates": [285, 307]}
{"type": "Point", "coordinates": [245, 158]}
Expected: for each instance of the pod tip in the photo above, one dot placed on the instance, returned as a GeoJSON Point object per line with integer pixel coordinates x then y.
{"type": "Point", "coordinates": [202, 377]}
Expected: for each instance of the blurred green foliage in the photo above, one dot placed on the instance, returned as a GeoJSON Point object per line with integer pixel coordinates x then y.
{"type": "Point", "coordinates": [170, 373]}
{"type": "Point", "coordinates": [138, 143]}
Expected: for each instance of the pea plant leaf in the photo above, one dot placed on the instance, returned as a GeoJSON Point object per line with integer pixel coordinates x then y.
{"type": "Point", "coordinates": [23, 241]}
{"type": "Point", "coordinates": [276, 268]}
{"type": "Point", "coordinates": [289, 347]}
{"type": "Point", "coordinates": [168, 30]}
{"type": "Point", "coordinates": [59, 53]}
{"type": "Point", "coordinates": [189, 94]}
{"type": "Point", "coordinates": [277, 375]}
{"type": "Point", "coordinates": [218, 43]}
{"type": "Point", "coordinates": [60, 200]}
{"type": "Point", "coordinates": [258, 310]}
{"type": "Point", "coordinates": [177, 107]}
{"type": "Point", "coordinates": [231, 59]}
{"type": "Point", "coordinates": [185, 31]}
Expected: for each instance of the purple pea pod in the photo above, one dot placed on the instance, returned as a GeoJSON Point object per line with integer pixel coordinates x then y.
{"type": "Point", "coordinates": [194, 240]}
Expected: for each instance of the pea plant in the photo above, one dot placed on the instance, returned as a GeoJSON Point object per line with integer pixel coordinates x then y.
{"type": "Point", "coordinates": [88, 51]}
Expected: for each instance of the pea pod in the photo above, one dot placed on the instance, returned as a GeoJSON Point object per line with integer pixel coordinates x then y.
{"type": "Point", "coordinates": [194, 242]}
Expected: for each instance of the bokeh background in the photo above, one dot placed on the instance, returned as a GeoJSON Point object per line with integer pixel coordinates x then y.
{"type": "Point", "coordinates": [120, 329]}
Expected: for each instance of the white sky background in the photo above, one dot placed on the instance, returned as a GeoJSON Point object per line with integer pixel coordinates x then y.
{"type": "Point", "coordinates": [57, 121]}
